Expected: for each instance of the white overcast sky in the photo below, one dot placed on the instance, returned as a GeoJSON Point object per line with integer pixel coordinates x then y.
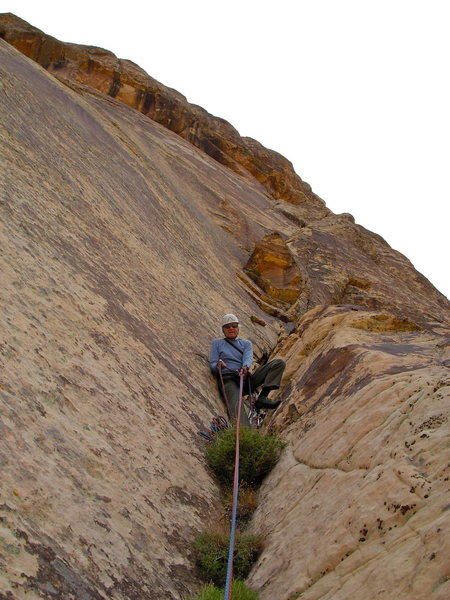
{"type": "Point", "coordinates": [354, 92]}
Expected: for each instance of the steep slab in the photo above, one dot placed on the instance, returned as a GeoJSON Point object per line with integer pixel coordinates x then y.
{"type": "Point", "coordinates": [114, 277]}
{"type": "Point", "coordinates": [333, 259]}
{"type": "Point", "coordinates": [126, 81]}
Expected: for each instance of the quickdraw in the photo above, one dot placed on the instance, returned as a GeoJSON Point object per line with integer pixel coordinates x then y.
{"type": "Point", "coordinates": [257, 415]}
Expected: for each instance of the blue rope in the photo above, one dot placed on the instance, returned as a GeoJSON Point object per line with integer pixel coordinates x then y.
{"type": "Point", "coordinates": [228, 583]}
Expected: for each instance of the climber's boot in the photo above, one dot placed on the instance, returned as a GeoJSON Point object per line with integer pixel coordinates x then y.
{"type": "Point", "coordinates": [264, 402]}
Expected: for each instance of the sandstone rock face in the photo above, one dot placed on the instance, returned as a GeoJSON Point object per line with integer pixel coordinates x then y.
{"type": "Point", "coordinates": [122, 246]}
{"type": "Point", "coordinates": [122, 79]}
{"type": "Point", "coordinates": [274, 269]}
{"type": "Point", "coordinates": [112, 289]}
{"type": "Point", "coordinates": [341, 262]}
{"type": "Point", "coordinates": [358, 507]}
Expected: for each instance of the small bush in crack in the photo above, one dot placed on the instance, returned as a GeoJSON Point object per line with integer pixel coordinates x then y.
{"type": "Point", "coordinates": [211, 553]}
{"type": "Point", "coordinates": [246, 505]}
{"type": "Point", "coordinates": [239, 592]}
{"type": "Point", "coordinates": [258, 455]}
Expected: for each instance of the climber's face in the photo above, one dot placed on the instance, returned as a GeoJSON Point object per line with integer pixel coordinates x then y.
{"type": "Point", "coordinates": [231, 330]}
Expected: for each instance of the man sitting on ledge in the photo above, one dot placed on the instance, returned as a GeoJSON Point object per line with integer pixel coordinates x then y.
{"type": "Point", "coordinates": [234, 356]}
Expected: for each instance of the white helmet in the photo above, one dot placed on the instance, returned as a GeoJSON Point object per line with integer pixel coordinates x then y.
{"type": "Point", "coordinates": [229, 319]}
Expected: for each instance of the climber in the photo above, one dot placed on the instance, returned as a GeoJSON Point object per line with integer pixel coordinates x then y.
{"type": "Point", "coordinates": [233, 356]}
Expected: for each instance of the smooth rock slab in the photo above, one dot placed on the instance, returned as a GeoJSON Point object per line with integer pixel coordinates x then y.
{"type": "Point", "coordinates": [358, 506]}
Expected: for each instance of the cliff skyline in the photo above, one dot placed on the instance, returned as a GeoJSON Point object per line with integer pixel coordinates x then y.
{"type": "Point", "coordinates": [366, 119]}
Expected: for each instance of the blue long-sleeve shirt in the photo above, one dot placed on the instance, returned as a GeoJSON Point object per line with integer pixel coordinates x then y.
{"type": "Point", "coordinates": [231, 356]}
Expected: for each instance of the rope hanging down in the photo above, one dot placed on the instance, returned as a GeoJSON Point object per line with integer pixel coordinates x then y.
{"type": "Point", "coordinates": [228, 583]}
{"type": "Point", "coordinates": [225, 394]}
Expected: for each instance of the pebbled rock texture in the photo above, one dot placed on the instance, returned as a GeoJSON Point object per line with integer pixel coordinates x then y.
{"type": "Point", "coordinates": [359, 505]}
{"type": "Point", "coordinates": [122, 244]}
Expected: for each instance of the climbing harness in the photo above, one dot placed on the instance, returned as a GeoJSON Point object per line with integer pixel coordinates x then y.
{"type": "Point", "coordinates": [218, 424]}
{"type": "Point", "coordinates": [229, 582]}
{"type": "Point", "coordinates": [256, 415]}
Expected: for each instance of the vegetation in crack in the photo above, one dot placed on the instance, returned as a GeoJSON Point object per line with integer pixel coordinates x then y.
{"type": "Point", "coordinates": [240, 592]}
{"type": "Point", "coordinates": [258, 455]}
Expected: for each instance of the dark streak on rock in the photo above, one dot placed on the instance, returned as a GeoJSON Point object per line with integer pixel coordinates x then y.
{"type": "Point", "coordinates": [58, 65]}
{"type": "Point", "coordinates": [115, 86]}
{"type": "Point", "coordinates": [65, 582]}
{"type": "Point", "coordinates": [404, 369]}
{"type": "Point", "coordinates": [325, 367]}
{"type": "Point", "coordinates": [180, 496]}
{"type": "Point", "coordinates": [399, 349]}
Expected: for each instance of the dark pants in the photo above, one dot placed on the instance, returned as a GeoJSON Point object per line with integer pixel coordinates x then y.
{"type": "Point", "coordinates": [268, 376]}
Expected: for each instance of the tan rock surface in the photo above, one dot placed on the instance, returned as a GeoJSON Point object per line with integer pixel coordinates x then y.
{"type": "Point", "coordinates": [359, 505]}
{"type": "Point", "coordinates": [124, 80]}
{"type": "Point", "coordinates": [112, 289]}
{"type": "Point", "coordinates": [339, 262]}
{"type": "Point", "coordinates": [274, 269]}
{"type": "Point", "coordinates": [122, 244]}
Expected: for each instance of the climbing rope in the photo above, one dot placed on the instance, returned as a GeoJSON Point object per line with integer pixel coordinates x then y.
{"type": "Point", "coordinates": [218, 424]}
{"type": "Point", "coordinates": [224, 392]}
{"type": "Point", "coordinates": [258, 420]}
{"type": "Point", "coordinates": [229, 579]}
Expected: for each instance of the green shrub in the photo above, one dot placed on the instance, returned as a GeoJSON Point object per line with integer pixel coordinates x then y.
{"type": "Point", "coordinates": [238, 592]}
{"type": "Point", "coordinates": [211, 553]}
{"type": "Point", "coordinates": [258, 455]}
